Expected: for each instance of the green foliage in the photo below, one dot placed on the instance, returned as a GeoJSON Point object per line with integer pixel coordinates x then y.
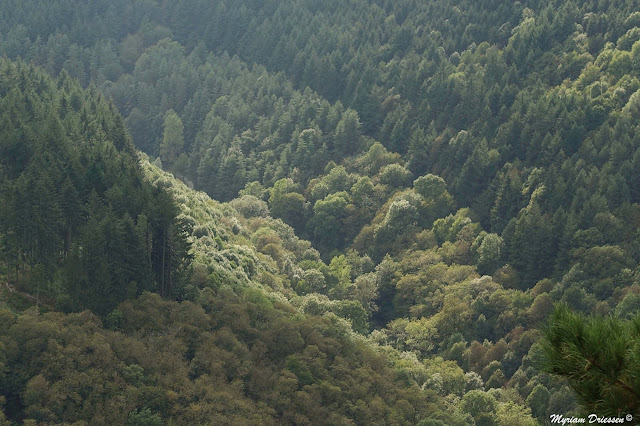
{"type": "Point", "coordinates": [429, 186]}
{"type": "Point", "coordinates": [481, 406]}
{"type": "Point", "coordinates": [328, 220]}
{"type": "Point", "coordinates": [288, 205]}
{"type": "Point", "coordinates": [489, 249]}
{"type": "Point", "coordinates": [173, 138]}
{"type": "Point", "coordinates": [327, 111]}
{"type": "Point", "coordinates": [395, 176]}
{"type": "Point", "coordinates": [538, 400]}
{"type": "Point", "coordinates": [604, 377]}
{"type": "Point", "coordinates": [81, 228]}
{"type": "Point", "coordinates": [144, 417]}
{"type": "Point", "coordinates": [510, 413]}
{"type": "Point", "coordinates": [459, 96]}
{"type": "Point", "coordinates": [222, 359]}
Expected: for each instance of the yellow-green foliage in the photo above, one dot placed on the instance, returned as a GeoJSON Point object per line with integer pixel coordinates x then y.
{"type": "Point", "coordinates": [223, 359]}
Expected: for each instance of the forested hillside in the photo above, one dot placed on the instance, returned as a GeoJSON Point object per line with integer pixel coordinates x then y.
{"type": "Point", "coordinates": [81, 228]}
{"type": "Point", "coordinates": [436, 175]}
{"type": "Point", "coordinates": [233, 351]}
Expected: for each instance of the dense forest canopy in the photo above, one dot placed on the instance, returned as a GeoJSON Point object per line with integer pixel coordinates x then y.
{"type": "Point", "coordinates": [431, 176]}
{"type": "Point", "coordinates": [79, 222]}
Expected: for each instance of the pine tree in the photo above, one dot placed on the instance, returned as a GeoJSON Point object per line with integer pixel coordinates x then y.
{"type": "Point", "coordinates": [600, 358]}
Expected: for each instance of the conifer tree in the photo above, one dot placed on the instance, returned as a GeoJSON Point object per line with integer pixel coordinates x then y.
{"type": "Point", "coordinates": [600, 358]}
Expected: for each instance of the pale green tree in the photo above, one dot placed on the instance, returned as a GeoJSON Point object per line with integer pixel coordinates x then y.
{"type": "Point", "coordinates": [172, 139]}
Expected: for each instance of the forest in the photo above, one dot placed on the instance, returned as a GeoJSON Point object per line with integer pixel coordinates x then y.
{"type": "Point", "coordinates": [299, 212]}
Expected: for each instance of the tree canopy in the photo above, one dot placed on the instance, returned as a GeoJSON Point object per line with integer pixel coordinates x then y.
{"type": "Point", "coordinates": [428, 178]}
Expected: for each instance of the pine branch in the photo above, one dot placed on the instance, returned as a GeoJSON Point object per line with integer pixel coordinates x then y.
{"type": "Point", "coordinates": [616, 380]}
